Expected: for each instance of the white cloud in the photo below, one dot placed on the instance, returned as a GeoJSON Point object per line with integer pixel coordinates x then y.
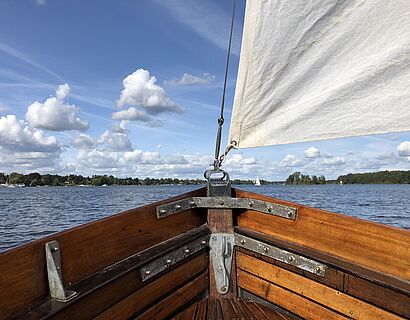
{"type": "Point", "coordinates": [132, 114]}
{"type": "Point", "coordinates": [115, 141]}
{"type": "Point", "coordinates": [312, 152]}
{"type": "Point", "coordinates": [189, 79]}
{"type": "Point", "coordinates": [335, 161]}
{"type": "Point", "coordinates": [290, 160]}
{"type": "Point", "coordinates": [404, 149]}
{"type": "Point", "coordinates": [54, 114]}
{"type": "Point", "coordinates": [84, 141]}
{"type": "Point", "coordinates": [141, 89]}
{"type": "Point", "coordinates": [15, 136]}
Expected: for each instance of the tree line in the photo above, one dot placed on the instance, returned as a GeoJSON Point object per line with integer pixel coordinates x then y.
{"type": "Point", "coordinates": [299, 178]}
{"type": "Point", "coordinates": [36, 179]}
{"type": "Point", "coordinates": [381, 177]}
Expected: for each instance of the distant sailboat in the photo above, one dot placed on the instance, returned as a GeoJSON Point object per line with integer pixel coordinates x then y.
{"type": "Point", "coordinates": [257, 182]}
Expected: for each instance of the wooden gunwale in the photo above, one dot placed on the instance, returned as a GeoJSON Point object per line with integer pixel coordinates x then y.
{"type": "Point", "coordinates": [87, 249]}
{"type": "Point", "coordinates": [378, 248]}
{"type": "Point", "coordinates": [87, 287]}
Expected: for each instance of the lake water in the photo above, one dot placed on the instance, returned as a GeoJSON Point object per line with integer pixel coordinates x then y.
{"type": "Point", "coordinates": [31, 213]}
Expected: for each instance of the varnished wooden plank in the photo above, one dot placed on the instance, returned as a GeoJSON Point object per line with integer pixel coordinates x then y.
{"type": "Point", "coordinates": [264, 312]}
{"type": "Point", "coordinates": [378, 295]}
{"type": "Point", "coordinates": [154, 290]}
{"type": "Point", "coordinates": [173, 302]}
{"type": "Point", "coordinates": [202, 309]}
{"type": "Point", "coordinates": [86, 249]}
{"type": "Point", "coordinates": [329, 297]}
{"type": "Point", "coordinates": [332, 261]}
{"type": "Point", "coordinates": [375, 246]}
{"type": "Point", "coordinates": [288, 300]}
{"type": "Point", "coordinates": [188, 314]}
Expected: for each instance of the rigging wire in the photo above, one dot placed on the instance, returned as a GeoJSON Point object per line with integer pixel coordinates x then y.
{"type": "Point", "coordinates": [217, 159]}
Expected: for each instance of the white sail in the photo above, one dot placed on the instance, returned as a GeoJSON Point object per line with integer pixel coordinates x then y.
{"type": "Point", "coordinates": [313, 70]}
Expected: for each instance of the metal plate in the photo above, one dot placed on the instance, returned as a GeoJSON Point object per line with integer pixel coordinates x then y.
{"type": "Point", "coordinates": [226, 203]}
{"type": "Point", "coordinates": [165, 262]}
{"type": "Point", "coordinates": [290, 258]}
{"type": "Point", "coordinates": [222, 245]}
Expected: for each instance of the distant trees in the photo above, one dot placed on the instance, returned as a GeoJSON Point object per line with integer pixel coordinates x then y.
{"type": "Point", "coordinates": [382, 177]}
{"type": "Point", "coordinates": [299, 178]}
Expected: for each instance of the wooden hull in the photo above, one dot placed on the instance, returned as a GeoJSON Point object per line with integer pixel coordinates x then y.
{"type": "Point", "coordinates": [367, 266]}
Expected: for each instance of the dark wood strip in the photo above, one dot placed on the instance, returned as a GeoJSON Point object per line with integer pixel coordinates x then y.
{"type": "Point", "coordinates": [371, 245]}
{"type": "Point", "coordinates": [173, 302]}
{"type": "Point", "coordinates": [85, 250]}
{"type": "Point", "coordinates": [188, 314]}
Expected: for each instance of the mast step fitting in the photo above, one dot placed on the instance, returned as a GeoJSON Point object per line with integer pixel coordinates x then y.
{"type": "Point", "coordinates": [226, 203]}
{"type": "Point", "coordinates": [281, 255]}
{"type": "Point", "coordinates": [165, 262]}
{"type": "Point", "coordinates": [54, 272]}
{"type": "Point", "coordinates": [222, 247]}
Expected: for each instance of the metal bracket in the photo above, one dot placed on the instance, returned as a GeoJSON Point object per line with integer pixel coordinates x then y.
{"type": "Point", "coordinates": [226, 203]}
{"type": "Point", "coordinates": [222, 245]}
{"type": "Point", "coordinates": [55, 277]}
{"type": "Point", "coordinates": [281, 255]}
{"type": "Point", "coordinates": [165, 262]}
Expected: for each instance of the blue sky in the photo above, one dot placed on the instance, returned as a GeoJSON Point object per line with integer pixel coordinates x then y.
{"type": "Point", "coordinates": [133, 88]}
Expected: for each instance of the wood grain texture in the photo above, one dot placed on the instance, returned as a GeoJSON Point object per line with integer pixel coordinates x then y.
{"type": "Point", "coordinates": [233, 308]}
{"type": "Point", "coordinates": [138, 300]}
{"type": "Point", "coordinates": [286, 299]}
{"type": "Point", "coordinates": [169, 305]}
{"type": "Point", "coordinates": [329, 297]}
{"type": "Point", "coordinates": [372, 245]}
{"type": "Point", "coordinates": [86, 249]}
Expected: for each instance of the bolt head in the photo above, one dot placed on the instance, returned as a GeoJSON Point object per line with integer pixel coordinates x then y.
{"type": "Point", "coordinates": [269, 209]}
{"type": "Point", "coordinates": [291, 258]}
{"type": "Point", "coordinates": [243, 241]}
{"type": "Point", "coordinates": [290, 214]}
{"type": "Point", "coordinates": [147, 272]}
{"type": "Point", "coordinates": [318, 269]}
{"type": "Point", "coordinates": [250, 204]}
{"type": "Point", "coordinates": [266, 249]}
{"type": "Point", "coordinates": [224, 288]}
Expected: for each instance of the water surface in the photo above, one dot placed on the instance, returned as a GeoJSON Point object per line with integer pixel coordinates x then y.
{"type": "Point", "coordinates": [31, 213]}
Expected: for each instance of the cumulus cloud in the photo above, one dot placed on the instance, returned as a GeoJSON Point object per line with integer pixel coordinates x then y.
{"type": "Point", "coordinates": [404, 149]}
{"type": "Point", "coordinates": [132, 114]}
{"type": "Point", "coordinates": [335, 161]}
{"type": "Point", "coordinates": [141, 89]}
{"type": "Point", "coordinates": [115, 141]}
{"type": "Point", "coordinates": [290, 160]}
{"type": "Point", "coordinates": [15, 136]}
{"type": "Point", "coordinates": [55, 114]}
{"type": "Point", "coordinates": [312, 152]}
{"type": "Point", "coordinates": [189, 79]}
{"type": "Point", "coordinates": [84, 141]}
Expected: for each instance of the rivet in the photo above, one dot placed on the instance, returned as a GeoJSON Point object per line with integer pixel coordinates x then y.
{"type": "Point", "coordinates": [162, 211]}
{"type": "Point", "coordinates": [192, 203]}
{"type": "Point", "coordinates": [203, 241]}
{"type": "Point", "coordinates": [58, 268]}
{"type": "Point", "coordinates": [318, 269]}
{"type": "Point", "coordinates": [243, 241]}
{"type": "Point", "coordinates": [54, 249]}
{"type": "Point", "coordinates": [222, 203]}
{"type": "Point", "coordinates": [250, 204]}
{"type": "Point", "coordinates": [266, 249]}
{"type": "Point", "coordinates": [223, 288]}
{"type": "Point", "coordinates": [186, 250]}
{"type": "Point", "coordinates": [178, 206]}
{"type": "Point", "coordinates": [290, 214]}
{"type": "Point", "coordinates": [269, 209]}
{"type": "Point", "coordinates": [214, 238]}
{"type": "Point", "coordinates": [147, 272]}
{"type": "Point", "coordinates": [291, 258]}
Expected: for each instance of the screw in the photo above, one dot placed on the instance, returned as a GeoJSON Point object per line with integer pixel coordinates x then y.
{"type": "Point", "coordinates": [147, 272]}
{"type": "Point", "coordinates": [291, 258]}
{"type": "Point", "coordinates": [318, 269]}
{"type": "Point", "coordinates": [290, 214]}
{"type": "Point", "coordinates": [250, 204]}
{"type": "Point", "coordinates": [222, 203]}
{"type": "Point", "coordinates": [266, 249]}
{"type": "Point", "coordinates": [58, 268]}
{"type": "Point", "coordinates": [269, 209]}
{"type": "Point", "coordinates": [192, 203]}
{"type": "Point", "coordinates": [169, 261]}
{"type": "Point", "coordinates": [203, 242]}
{"type": "Point", "coordinates": [186, 250]}
{"type": "Point", "coordinates": [54, 249]}
{"type": "Point", "coordinates": [219, 267]}
{"type": "Point", "coordinates": [214, 238]}
{"type": "Point", "coordinates": [162, 211]}
{"type": "Point", "coordinates": [243, 241]}
{"type": "Point", "coordinates": [223, 288]}
{"type": "Point", "coordinates": [178, 206]}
